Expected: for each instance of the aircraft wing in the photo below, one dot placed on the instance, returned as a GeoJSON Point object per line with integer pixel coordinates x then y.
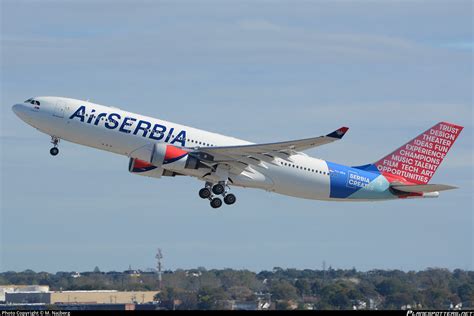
{"type": "Point", "coordinates": [255, 154]}
{"type": "Point", "coordinates": [422, 188]}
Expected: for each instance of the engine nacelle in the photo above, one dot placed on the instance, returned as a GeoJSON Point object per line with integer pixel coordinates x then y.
{"type": "Point", "coordinates": [143, 168]}
{"type": "Point", "coordinates": [163, 156]}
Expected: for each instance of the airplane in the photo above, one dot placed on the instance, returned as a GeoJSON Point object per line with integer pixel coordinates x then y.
{"type": "Point", "coordinates": [158, 148]}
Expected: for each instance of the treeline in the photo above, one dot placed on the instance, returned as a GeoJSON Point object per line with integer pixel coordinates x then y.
{"type": "Point", "coordinates": [280, 288]}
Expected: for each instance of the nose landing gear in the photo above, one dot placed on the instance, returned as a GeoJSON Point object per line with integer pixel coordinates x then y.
{"type": "Point", "coordinates": [55, 150]}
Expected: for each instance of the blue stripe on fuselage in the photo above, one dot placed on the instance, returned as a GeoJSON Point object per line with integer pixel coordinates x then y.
{"type": "Point", "coordinates": [345, 181]}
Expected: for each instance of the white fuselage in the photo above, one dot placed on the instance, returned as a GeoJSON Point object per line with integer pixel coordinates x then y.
{"type": "Point", "coordinates": [125, 132]}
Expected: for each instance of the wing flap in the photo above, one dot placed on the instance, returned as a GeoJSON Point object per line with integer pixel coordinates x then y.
{"type": "Point", "coordinates": [422, 188]}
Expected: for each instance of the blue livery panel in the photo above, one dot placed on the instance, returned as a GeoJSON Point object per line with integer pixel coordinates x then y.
{"type": "Point", "coordinates": [357, 183]}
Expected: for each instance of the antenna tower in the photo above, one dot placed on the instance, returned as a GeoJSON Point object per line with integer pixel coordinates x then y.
{"type": "Point", "coordinates": [158, 257]}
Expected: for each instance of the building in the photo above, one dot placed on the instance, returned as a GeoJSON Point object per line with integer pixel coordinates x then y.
{"type": "Point", "coordinates": [78, 307]}
{"type": "Point", "coordinates": [21, 288]}
{"type": "Point", "coordinates": [244, 305]}
{"type": "Point", "coordinates": [131, 272]}
{"type": "Point", "coordinates": [80, 297]}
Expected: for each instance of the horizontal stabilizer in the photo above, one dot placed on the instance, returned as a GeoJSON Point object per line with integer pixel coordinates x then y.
{"type": "Point", "coordinates": [422, 188]}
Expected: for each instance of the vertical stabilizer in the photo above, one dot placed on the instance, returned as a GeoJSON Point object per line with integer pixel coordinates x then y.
{"type": "Point", "coordinates": [418, 160]}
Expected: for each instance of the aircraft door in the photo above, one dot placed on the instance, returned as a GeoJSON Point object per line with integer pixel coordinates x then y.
{"type": "Point", "coordinates": [59, 109]}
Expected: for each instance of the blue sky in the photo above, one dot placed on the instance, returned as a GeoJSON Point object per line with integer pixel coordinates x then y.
{"type": "Point", "coordinates": [258, 70]}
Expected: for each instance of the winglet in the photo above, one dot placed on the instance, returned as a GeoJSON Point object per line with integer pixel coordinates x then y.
{"type": "Point", "coordinates": [338, 133]}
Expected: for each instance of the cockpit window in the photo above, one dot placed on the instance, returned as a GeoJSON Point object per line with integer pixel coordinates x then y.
{"type": "Point", "coordinates": [32, 101]}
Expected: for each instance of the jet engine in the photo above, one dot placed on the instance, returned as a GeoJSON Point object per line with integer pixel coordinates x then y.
{"type": "Point", "coordinates": [160, 159]}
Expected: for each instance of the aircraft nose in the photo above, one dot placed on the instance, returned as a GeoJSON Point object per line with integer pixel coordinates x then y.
{"type": "Point", "coordinates": [16, 108]}
{"type": "Point", "coordinates": [19, 110]}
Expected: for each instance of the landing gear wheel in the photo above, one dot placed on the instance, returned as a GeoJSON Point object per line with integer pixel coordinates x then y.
{"type": "Point", "coordinates": [54, 151]}
{"type": "Point", "coordinates": [229, 199]}
{"type": "Point", "coordinates": [218, 189]}
{"type": "Point", "coordinates": [204, 193]}
{"type": "Point", "coordinates": [216, 203]}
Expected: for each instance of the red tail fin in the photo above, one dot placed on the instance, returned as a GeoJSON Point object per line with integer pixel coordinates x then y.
{"type": "Point", "coordinates": [417, 160]}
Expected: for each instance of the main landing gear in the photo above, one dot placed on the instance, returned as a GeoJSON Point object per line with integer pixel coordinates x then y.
{"type": "Point", "coordinates": [210, 191]}
{"type": "Point", "coordinates": [55, 150]}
